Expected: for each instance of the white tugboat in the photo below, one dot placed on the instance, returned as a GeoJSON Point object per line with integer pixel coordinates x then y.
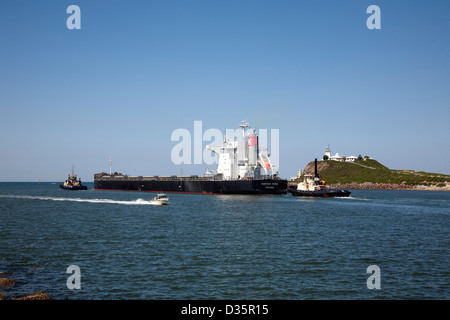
{"type": "Point", "coordinates": [314, 187]}
{"type": "Point", "coordinates": [72, 183]}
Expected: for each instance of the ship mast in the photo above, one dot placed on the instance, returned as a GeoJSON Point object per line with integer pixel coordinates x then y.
{"type": "Point", "coordinates": [244, 125]}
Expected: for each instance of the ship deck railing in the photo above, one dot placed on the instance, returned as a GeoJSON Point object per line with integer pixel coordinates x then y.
{"type": "Point", "coordinates": [120, 177]}
{"type": "Point", "coordinates": [155, 178]}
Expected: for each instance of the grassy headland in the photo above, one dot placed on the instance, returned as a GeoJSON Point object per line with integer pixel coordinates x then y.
{"type": "Point", "coordinates": [369, 173]}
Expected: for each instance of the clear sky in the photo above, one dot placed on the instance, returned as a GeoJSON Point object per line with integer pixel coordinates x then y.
{"type": "Point", "coordinates": [138, 70]}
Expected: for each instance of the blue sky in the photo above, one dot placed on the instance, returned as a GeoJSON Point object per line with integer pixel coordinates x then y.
{"type": "Point", "coordinates": [138, 70]}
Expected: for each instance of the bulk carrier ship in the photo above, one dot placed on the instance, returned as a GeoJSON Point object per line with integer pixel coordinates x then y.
{"type": "Point", "coordinates": [243, 168]}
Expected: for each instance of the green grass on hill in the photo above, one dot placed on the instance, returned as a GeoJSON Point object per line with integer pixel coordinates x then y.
{"type": "Point", "coordinates": [370, 170]}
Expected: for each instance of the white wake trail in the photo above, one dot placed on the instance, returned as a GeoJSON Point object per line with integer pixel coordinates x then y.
{"type": "Point", "coordinates": [110, 201]}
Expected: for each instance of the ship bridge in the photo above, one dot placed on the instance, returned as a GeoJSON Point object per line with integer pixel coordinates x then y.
{"type": "Point", "coordinates": [240, 157]}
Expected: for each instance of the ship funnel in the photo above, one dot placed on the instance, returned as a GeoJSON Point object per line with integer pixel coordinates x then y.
{"type": "Point", "coordinates": [252, 149]}
{"type": "Point", "coordinates": [316, 175]}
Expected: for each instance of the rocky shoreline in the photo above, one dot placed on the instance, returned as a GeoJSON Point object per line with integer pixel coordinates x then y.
{"type": "Point", "coordinates": [389, 186]}
{"type": "Point", "coordinates": [8, 282]}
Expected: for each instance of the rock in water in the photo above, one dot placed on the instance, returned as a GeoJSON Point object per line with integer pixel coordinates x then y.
{"type": "Point", "coordinates": [36, 296]}
{"type": "Point", "coordinates": [4, 282]}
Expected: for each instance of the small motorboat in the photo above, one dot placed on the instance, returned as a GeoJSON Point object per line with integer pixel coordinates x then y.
{"type": "Point", "coordinates": [72, 183]}
{"type": "Point", "coordinates": [161, 199]}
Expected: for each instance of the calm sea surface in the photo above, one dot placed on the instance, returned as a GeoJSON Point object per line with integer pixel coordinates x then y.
{"type": "Point", "coordinates": [224, 247]}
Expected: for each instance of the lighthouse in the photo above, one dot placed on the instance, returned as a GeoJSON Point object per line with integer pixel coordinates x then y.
{"type": "Point", "coordinates": [328, 152]}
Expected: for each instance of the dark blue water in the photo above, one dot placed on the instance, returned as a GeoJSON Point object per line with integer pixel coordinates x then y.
{"type": "Point", "coordinates": [224, 247]}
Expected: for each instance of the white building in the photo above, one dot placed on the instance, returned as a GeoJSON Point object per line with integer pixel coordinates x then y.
{"type": "Point", "coordinates": [299, 174]}
{"type": "Point", "coordinates": [328, 152]}
{"type": "Point", "coordinates": [337, 157]}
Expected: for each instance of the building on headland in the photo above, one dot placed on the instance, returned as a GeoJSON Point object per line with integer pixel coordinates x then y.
{"type": "Point", "coordinates": [351, 158]}
{"type": "Point", "coordinates": [328, 152]}
{"type": "Point", "coordinates": [299, 174]}
{"type": "Point", "coordinates": [337, 157]}
{"type": "Point", "coordinates": [327, 155]}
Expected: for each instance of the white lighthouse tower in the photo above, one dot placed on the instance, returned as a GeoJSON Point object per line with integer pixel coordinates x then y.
{"type": "Point", "coordinates": [328, 152]}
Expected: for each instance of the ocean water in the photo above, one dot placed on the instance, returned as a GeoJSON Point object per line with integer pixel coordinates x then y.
{"type": "Point", "coordinates": [224, 247]}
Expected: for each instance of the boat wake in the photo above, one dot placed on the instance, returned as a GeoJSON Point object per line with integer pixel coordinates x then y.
{"type": "Point", "coordinates": [353, 198]}
{"type": "Point", "coordinates": [108, 201]}
{"type": "Point", "coordinates": [328, 199]}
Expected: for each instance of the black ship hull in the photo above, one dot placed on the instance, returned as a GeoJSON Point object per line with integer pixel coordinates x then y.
{"type": "Point", "coordinates": [203, 186]}
{"type": "Point", "coordinates": [74, 188]}
{"type": "Point", "coordinates": [329, 193]}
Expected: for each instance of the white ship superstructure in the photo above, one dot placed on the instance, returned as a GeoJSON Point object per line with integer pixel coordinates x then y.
{"type": "Point", "coordinates": [242, 158]}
